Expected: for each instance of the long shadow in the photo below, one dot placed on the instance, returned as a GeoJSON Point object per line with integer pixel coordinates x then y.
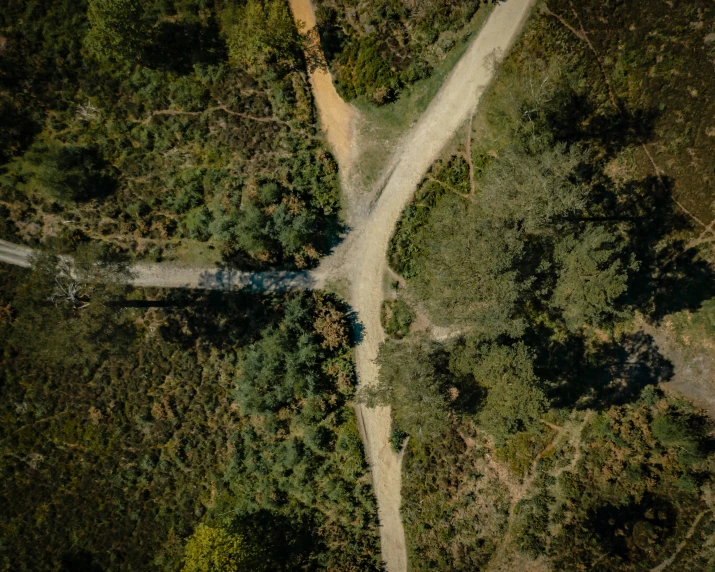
{"type": "Point", "coordinates": [573, 118]}
{"type": "Point", "coordinates": [222, 319]}
{"type": "Point", "coordinates": [587, 376]}
{"type": "Point", "coordinates": [178, 46]}
{"type": "Point", "coordinates": [267, 281]}
{"type": "Point", "coordinates": [80, 562]}
{"type": "Point", "coordinates": [670, 277]}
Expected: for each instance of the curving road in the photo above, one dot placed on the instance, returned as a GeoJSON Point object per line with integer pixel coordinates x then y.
{"type": "Point", "coordinates": [361, 258]}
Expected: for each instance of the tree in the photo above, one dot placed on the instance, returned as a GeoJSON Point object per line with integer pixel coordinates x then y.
{"type": "Point", "coordinates": [412, 384]}
{"type": "Point", "coordinates": [262, 35]}
{"type": "Point", "coordinates": [211, 549]}
{"type": "Point", "coordinates": [593, 277]}
{"type": "Point", "coordinates": [472, 278]}
{"type": "Point", "coordinates": [514, 400]}
{"type": "Point", "coordinates": [66, 310]}
{"type": "Point", "coordinates": [65, 173]}
{"type": "Point", "coordinates": [534, 191]}
{"type": "Point", "coordinates": [117, 30]}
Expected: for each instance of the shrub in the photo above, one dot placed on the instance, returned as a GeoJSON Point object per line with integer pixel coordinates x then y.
{"type": "Point", "coordinates": [397, 316]}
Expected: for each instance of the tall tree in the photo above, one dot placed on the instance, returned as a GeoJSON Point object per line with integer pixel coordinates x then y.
{"type": "Point", "coordinates": [117, 30]}
{"type": "Point", "coordinates": [261, 34]}
{"type": "Point", "coordinates": [214, 549]}
{"type": "Point", "coordinates": [534, 191]}
{"type": "Point", "coordinates": [65, 309]}
{"type": "Point", "coordinates": [474, 276]}
{"type": "Point", "coordinates": [593, 277]}
{"type": "Point", "coordinates": [514, 400]}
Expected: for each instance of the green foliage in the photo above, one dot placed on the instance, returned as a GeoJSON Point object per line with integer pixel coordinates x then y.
{"type": "Point", "coordinates": [676, 431]}
{"type": "Point", "coordinates": [532, 518]}
{"type": "Point", "coordinates": [534, 191]}
{"type": "Point", "coordinates": [413, 385]}
{"type": "Point", "coordinates": [66, 313]}
{"type": "Point", "coordinates": [261, 36]}
{"type": "Point", "coordinates": [540, 252]}
{"type": "Point", "coordinates": [514, 401]}
{"type": "Point", "coordinates": [211, 549]}
{"type": "Point", "coordinates": [454, 514]}
{"type": "Point", "coordinates": [397, 439]}
{"type": "Point", "coordinates": [197, 223]}
{"type": "Point", "coordinates": [593, 278]}
{"type": "Point", "coordinates": [117, 29]}
{"type": "Point", "coordinates": [396, 316]}
{"type": "Point", "coordinates": [127, 150]}
{"type": "Point", "coordinates": [473, 276]}
{"type": "Point", "coordinates": [621, 500]}
{"type": "Point", "coordinates": [378, 47]}
{"type": "Point", "coordinates": [64, 173]}
{"type": "Point", "coordinates": [128, 422]}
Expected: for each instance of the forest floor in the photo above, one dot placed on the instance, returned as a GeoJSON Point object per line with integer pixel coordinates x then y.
{"type": "Point", "coordinates": [361, 257]}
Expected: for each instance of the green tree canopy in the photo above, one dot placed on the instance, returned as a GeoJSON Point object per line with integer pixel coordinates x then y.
{"type": "Point", "coordinates": [514, 400]}
{"type": "Point", "coordinates": [593, 276]}
{"type": "Point", "coordinates": [65, 173]}
{"type": "Point", "coordinates": [66, 310]}
{"type": "Point", "coordinates": [117, 30]}
{"type": "Point", "coordinates": [213, 549]}
{"type": "Point", "coordinates": [534, 190]}
{"type": "Point", "coordinates": [412, 384]}
{"type": "Point", "coordinates": [473, 277]}
{"type": "Point", "coordinates": [261, 34]}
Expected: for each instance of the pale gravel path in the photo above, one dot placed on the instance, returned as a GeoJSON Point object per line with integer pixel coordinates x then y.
{"type": "Point", "coordinates": [165, 276]}
{"type": "Point", "coordinates": [367, 257]}
{"type": "Point", "coordinates": [362, 256]}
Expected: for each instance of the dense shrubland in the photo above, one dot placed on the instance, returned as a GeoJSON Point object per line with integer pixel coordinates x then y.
{"type": "Point", "coordinates": [160, 125]}
{"type": "Point", "coordinates": [130, 419]}
{"type": "Point", "coordinates": [375, 48]}
{"type": "Point", "coordinates": [538, 432]}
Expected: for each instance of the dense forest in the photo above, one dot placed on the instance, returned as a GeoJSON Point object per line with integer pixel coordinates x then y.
{"type": "Point", "coordinates": [131, 419]}
{"type": "Point", "coordinates": [375, 48]}
{"type": "Point", "coordinates": [169, 128]}
{"type": "Point", "coordinates": [572, 213]}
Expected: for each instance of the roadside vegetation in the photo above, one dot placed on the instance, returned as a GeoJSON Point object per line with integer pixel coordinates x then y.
{"type": "Point", "coordinates": [151, 430]}
{"type": "Point", "coordinates": [376, 48]}
{"type": "Point", "coordinates": [164, 128]}
{"type": "Point", "coordinates": [576, 207]}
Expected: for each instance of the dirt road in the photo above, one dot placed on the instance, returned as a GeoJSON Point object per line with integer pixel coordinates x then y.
{"type": "Point", "coordinates": [165, 276]}
{"type": "Point", "coordinates": [366, 261]}
{"type": "Point", "coordinates": [337, 118]}
{"type": "Point", "coordinates": [361, 257]}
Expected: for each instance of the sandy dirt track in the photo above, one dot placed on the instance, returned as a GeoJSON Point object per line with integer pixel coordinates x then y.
{"type": "Point", "coordinates": [165, 276]}
{"type": "Point", "coordinates": [337, 117]}
{"type": "Point", "coordinates": [361, 258]}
